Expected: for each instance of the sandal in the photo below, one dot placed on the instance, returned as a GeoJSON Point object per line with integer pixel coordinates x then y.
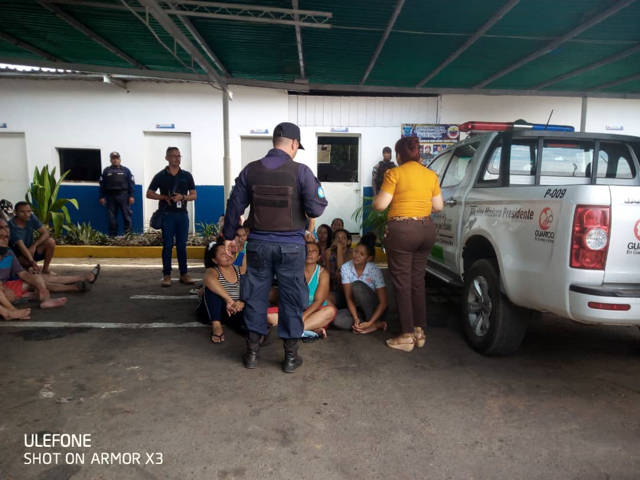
{"type": "Point", "coordinates": [420, 337]}
{"type": "Point", "coordinates": [217, 338]}
{"type": "Point", "coordinates": [398, 345]}
{"type": "Point", "coordinates": [96, 271]}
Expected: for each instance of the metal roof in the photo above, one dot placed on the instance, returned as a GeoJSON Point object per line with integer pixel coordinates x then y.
{"type": "Point", "coordinates": [566, 47]}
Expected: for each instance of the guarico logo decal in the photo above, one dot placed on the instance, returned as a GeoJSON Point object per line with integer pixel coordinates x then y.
{"type": "Point", "coordinates": [545, 219]}
{"type": "Point", "coordinates": [545, 222]}
{"type": "Point", "coordinates": [633, 248]}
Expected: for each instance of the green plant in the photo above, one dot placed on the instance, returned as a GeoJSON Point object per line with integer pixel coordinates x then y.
{"type": "Point", "coordinates": [208, 230]}
{"type": "Point", "coordinates": [43, 197]}
{"type": "Point", "coordinates": [83, 234]}
{"type": "Point", "coordinates": [370, 218]}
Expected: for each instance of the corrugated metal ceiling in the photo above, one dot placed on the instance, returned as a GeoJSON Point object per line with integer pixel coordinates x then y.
{"type": "Point", "coordinates": [425, 34]}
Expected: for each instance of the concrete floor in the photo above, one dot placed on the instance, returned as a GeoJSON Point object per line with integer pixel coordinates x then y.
{"type": "Point", "coordinates": [566, 406]}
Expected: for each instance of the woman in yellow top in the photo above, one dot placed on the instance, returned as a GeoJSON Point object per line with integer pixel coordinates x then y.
{"type": "Point", "coordinates": [413, 192]}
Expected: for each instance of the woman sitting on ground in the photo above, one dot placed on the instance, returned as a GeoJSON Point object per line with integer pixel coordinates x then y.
{"type": "Point", "coordinates": [364, 289]}
{"type": "Point", "coordinates": [319, 312]}
{"type": "Point", "coordinates": [221, 293]}
{"type": "Point", "coordinates": [335, 257]}
{"type": "Point", "coordinates": [325, 237]}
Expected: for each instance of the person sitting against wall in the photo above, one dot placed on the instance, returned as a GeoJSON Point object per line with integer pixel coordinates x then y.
{"type": "Point", "coordinates": [319, 312]}
{"type": "Point", "coordinates": [221, 292]}
{"type": "Point", "coordinates": [241, 244]}
{"type": "Point", "coordinates": [325, 237]}
{"type": "Point", "coordinates": [28, 250]}
{"type": "Point", "coordinates": [10, 269]}
{"type": "Point", "coordinates": [334, 257]}
{"type": "Point", "coordinates": [364, 289]}
{"type": "Point", "coordinates": [337, 224]}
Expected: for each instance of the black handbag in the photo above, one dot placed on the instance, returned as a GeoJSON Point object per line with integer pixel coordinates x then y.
{"type": "Point", "coordinates": [157, 219]}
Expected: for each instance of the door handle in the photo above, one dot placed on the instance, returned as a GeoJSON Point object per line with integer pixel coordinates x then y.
{"type": "Point", "coordinates": [451, 202]}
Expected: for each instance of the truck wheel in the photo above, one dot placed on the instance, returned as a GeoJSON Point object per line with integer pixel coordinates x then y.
{"type": "Point", "coordinates": [491, 323]}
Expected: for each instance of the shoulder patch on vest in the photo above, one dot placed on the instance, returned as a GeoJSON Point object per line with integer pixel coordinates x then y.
{"type": "Point", "coordinates": [320, 192]}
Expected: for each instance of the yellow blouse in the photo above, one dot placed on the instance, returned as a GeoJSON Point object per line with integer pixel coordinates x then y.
{"type": "Point", "coordinates": [412, 186]}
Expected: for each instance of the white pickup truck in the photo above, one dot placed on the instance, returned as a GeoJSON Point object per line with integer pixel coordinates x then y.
{"type": "Point", "coordinates": [539, 221]}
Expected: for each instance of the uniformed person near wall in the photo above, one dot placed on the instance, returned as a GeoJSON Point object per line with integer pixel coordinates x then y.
{"type": "Point", "coordinates": [282, 194]}
{"type": "Point", "coordinates": [116, 192]}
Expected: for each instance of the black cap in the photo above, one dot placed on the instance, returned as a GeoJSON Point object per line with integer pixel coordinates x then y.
{"type": "Point", "coordinates": [288, 130]}
{"type": "Point", "coordinates": [114, 155]}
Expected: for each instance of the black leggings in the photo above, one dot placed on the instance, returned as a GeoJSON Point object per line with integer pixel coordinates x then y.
{"type": "Point", "coordinates": [216, 309]}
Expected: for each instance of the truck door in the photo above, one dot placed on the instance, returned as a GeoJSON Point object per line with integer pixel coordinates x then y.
{"type": "Point", "coordinates": [447, 222]}
{"type": "Point", "coordinates": [617, 169]}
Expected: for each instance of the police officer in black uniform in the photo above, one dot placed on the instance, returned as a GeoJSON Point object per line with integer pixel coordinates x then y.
{"type": "Point", "coordinates": [282, 194]}
{"type": "Point", "coordinates": [116, 192]}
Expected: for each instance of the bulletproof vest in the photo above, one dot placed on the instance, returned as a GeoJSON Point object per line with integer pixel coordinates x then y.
{"type": "Point", "coordinates": [115, 179]}
{"type": "Point", "coordinates": [276, 205]}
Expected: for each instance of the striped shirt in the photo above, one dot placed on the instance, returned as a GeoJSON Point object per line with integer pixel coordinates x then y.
{"type": "Point", "coordinates": [233, 289]}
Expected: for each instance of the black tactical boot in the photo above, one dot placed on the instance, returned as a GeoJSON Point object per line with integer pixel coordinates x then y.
{"type": "Point", "coordinates": [250, 358]}
{"type": "Point", "coordinates": [291, 359]}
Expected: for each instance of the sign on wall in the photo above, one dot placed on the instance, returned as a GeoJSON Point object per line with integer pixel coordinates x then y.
{"type": "Point", "coordinates": [433, 137]}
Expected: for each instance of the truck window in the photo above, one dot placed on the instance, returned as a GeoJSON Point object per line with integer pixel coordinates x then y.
{"type": "Point", "coordinates": [566, 161]}
{"type": "Point", "coordinates": [440, 163]}
{"type": "Point", "coordinates": [458, 165]}
{"type": "Point", "coordinates": [614, 161]}
{"type": "Point", "coordinates": [522, 166]}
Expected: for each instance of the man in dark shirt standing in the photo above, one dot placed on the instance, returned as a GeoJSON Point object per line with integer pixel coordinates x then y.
{"type": "Point", "coordinates": [377, 175]}
{"type": "Point", "coordinates": [282, 194]}
{"type": "Point", "coordinates": [176, 189]}
{"type": "Point", "coordinates": [116, 192]}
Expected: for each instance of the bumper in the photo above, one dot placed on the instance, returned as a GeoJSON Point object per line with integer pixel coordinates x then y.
{"type": "Point", "coordinates": [580, 297]}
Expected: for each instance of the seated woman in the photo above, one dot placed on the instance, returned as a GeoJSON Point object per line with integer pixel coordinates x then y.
{"type": "Point", "coordinates": [319, 312]}
{"type": "Point", "coordinates": [241, 244]}
{"type": "Point", "coordinates": [337, 255]}
{"type": "Point", "coordinates": [364, 289]}
{"type": "Point", "coordinates": [221, 292]}
{"type": "Point", "coordinates": [325, 237]}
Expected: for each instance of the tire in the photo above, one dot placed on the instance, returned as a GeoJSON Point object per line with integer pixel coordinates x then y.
{"type": "Point", "coordinates": [491, 324]}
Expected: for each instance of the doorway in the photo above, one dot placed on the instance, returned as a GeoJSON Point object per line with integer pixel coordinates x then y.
{"type": "Point", "coordinates": [339, 172]}
{"type": "Point", "coordinates": [254, 148]}
{"type": "Point", "coordinates": [156, 144]}
{"type": "Point", "coordinates": [15, 180]}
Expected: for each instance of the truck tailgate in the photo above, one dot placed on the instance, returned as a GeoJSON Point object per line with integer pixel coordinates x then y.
{"type": "Point", "coordinates": [623, 257]}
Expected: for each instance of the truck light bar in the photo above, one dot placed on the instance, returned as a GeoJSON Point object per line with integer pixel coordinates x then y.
{"type": "Point", "coordinates": [504, 126]}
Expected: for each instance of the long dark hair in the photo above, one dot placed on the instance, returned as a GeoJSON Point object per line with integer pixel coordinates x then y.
{"type": "Point", "coordinates": [211, 251]}
{"type": "Point", "coordinates": [368, 241]}
{"type": "Point", "coordinates": [329, 233]}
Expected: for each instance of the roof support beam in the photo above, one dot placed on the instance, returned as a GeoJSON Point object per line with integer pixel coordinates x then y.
{"type": "Point", "coordinates": [559, 41]}
{"type": "Point", "coordinates": [203, 44]}
{"type": "Point", "coordinates": [58, 12]}
{"type": "Point", "coordinates": [296, 18]}
{"type": "Point", "coordinates": [28, 47]}
{"type": "Point", "coordinates": [168, 24]}
{"type": "Point", "coordinates": [102, 69]}
{"type": "Point", "coordinates": [615, 83]}
{"type": "Point", "coordinates": [473, 39]}
{"type": "Point", "coordinates": [588, 68]}
{"type": "Point", "coordinates": [383, 40]}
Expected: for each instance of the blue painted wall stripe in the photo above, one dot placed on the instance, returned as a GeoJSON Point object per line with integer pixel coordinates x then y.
{"type": "Point", "coordinates": [209, 205]}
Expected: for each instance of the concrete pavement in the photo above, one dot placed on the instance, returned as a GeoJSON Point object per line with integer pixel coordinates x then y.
{"type": "Point", "coordinates": [567, 405]}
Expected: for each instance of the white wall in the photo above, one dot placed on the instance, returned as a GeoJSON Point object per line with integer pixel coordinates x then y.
{"type": "Point", "coordinates": [507, 108]}
{"type": "Point", "coordinates": [376, 120]}
{"type": "Point", "coordinates": [84, 114]}
{"type": "Point", "coordinates": [603, 112]}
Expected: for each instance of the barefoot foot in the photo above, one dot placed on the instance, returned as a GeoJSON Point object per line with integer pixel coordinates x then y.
{"type": "Point", "coordinates": [53, 302]}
